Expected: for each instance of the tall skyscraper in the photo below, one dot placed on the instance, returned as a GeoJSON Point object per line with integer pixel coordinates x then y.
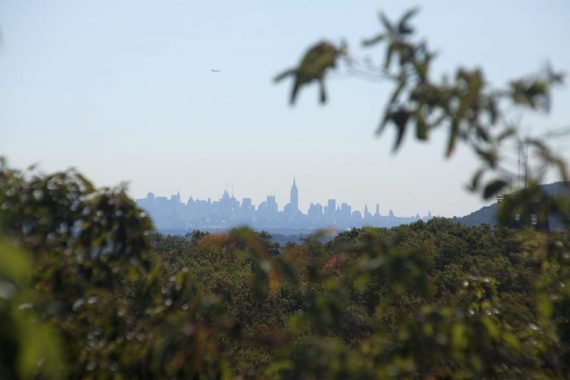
{"type": "Point", "coordinates": [294, 200]}
{"type": "Point", "coordinates": [367, 214]}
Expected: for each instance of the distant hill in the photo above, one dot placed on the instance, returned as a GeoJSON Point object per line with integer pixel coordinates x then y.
{"type": "Point", "coordinates": [488, 214]}
{"type": "Point", "coordinates": [485, 215]}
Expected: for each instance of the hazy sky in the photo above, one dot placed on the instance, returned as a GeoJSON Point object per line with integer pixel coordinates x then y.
{"type": "Point", "coordinates": [123, 91]}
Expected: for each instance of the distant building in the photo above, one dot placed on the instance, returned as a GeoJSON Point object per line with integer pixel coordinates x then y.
{"type": "Point", "coordinates": [294, 199]}
{"type": "Point", "coordinates": [367, 215]}
{"type": "Point", "coordinates": [315, 213]}
{"type": "Point", "coordinates": [246, 204]}
{"type": "Point", "coordinates": [176, 198]}
{"type": "Point", "coordinates": [226, 212]}
{"type": "Point", "coordinates": [291, 210]}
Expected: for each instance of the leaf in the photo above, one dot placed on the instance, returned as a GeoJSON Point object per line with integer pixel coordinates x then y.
{"type": "Point", "coordinates": [387, 24]}
{"type": "Point", "coordinates": [385, 120]}
{"type": "Point", "coordinates": [544, 305]}
{"type": "Point", "coordinates": [452, 138]}
{"type": "Point", "coordinates": [89, 187]}
{"type": "Point", "coordinates": [459, 338]}
{"type": "Point", "coordinates": [506, 134]}
{"type": "Point", "coordinates": [389, 53]}
{"type": "Point", "coordinates": [476, 179]}
{"type": "Point", "coordinates": [400, 118]}
{"type": "Point", "coordinates": [16, 266]}
{"type": "Point", "coordinates": [403, 26]}
{"type": "Point", "coordinates": [284, 75]}
{"type": "Point", "coordinates": [540, 145]}
{"type": "Point", "coordinates": [482, 133]}
{"type": "Point", "coordinates": [373, 40]}
{"type": "Point", "coordinates": [322, 92]}
{"type": "Point", "coordinates": [493, 110]}
{"type": "Point", "coordinates": [402, 82]}
{"type": "Point", "coordinates": [421, 69]}
{"type": "Point", "coordinates": [421, 127]}
{"type": "Point", "coordinates": [317, 60]}
{"type": "Point", "coordinates": [489, 156]}
{"type": "Point", "coordinates": [493, 188]}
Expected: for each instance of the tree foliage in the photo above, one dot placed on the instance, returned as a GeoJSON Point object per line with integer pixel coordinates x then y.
{"type": "Point", "coordinates": [464, 103]}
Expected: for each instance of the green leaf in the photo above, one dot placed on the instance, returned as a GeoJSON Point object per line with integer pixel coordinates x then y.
{"type": "Point", "coordinates": [476, 179]}
{"type": "Point", "coordinates": [489, 156]}
{"type": "Point", "coordinates": [387, 24]}
{"type": "Point", "coordinates": [493, 188]}
{"type": "Point", "coordinates": [374, 40]}
{"type": "Point", "coordinates": [400, 119]}
{"type": "Point", "coordinates": [452, 138]}
{"type": "Point", "coordinates": [482, 133]}
{"type": "Point", "coordinates": [459, 338]}
{"type": "Point", "coordinates": [284, 75]}
{"type": "Point", "coordinates": [16, 266]}
{"type": "Point", "coordinates": [421, 69]}
{"type": "Point", "coordinates": [389, 53]}
{"type": "Point", "coordinates": [403, 26]}
{"type": "Point", "coordinates": [421, 127]}
{"type": "Point", "coordinates": [506, 134]}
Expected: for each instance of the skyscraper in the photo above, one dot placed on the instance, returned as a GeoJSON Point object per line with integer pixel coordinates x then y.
{"type": "Point", "coordinates": [294, 200]}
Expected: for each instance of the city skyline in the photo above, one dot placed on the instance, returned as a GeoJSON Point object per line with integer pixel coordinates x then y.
{"type": "Point", "coordinates": [152, 113]}
{"type": "Point", "coordinates": [230, 189]}
{"type": "Point", "coordinates": [172, 214]}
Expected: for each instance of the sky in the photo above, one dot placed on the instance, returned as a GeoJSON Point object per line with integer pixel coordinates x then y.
{"type": "Point", "coordinates": [123, 91]}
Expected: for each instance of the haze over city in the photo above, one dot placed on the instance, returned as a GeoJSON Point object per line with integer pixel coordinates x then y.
{"type": "Point", "coordinates": [129, 91]}
{"type": "Point", "coordinates": [174, 214]}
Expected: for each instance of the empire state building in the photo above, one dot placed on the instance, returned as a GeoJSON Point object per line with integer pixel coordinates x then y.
{"type": "Point", "coordinates": [294, 200]}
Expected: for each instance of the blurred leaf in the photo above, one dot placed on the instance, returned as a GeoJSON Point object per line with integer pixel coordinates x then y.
{"type": "Point", "coordinates": [506, 134]}
{"type": "Point", "coordinates": [476, 179]}
{"type": "Point", "coordinates": [421, 126]}
{"type": "Point", "coordinates": [374, 40]}
{"type": "Point", "coordinates": [400, 119]}
{"type": "Point", "coordinates": [17, 266]}
{"type": "Point", "coordinates": [314, 65]}
{"type": "Point", "coordinates": [489, 156]}
{"type": "Point", "coordinates": [453, 134]}
{"type": "Point", "coordinates": [389, 53]}
{"type": "Point", "coordinates": [386, 23]}
{"type": "Point", "coordinates": [403, 26]}
{"type": "Point", "coordinates": [493, 188]}
{"type": "Point", "coordinates": [284, 75]}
